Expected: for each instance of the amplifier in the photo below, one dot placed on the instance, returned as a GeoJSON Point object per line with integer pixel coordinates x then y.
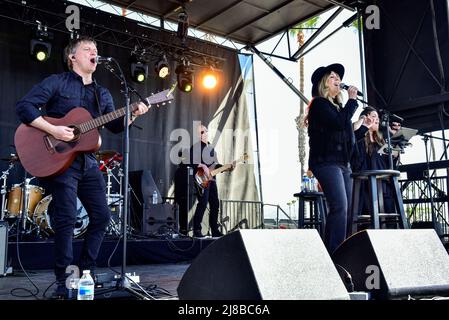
{"type": "Point", "coordinates": [3, 248]}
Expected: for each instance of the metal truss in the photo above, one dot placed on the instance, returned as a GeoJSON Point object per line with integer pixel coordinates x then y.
{"type": "Point", "coordinates": [299, 53]}
{"type": "Point", "coordinates": [130, 36]}
{"type": "Point", "coordinates": [158, 22]}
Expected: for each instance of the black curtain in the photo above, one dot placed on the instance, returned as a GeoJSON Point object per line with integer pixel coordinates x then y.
{"type": "Point", "coordinates": [150, 146]}
{"type": "Point", "coordinates": [403, 71]}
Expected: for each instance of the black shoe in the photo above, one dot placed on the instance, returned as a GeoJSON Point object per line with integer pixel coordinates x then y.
{"type": "Point", "coordinates": [60, 293]}
{"type": "Point", "coordinates": [217, 234]}
{"type": "Point", "coordinates": [198, 234]}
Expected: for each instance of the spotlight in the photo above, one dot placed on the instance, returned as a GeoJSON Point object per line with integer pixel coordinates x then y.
{"type": "Point", "coordinates": [40, 47]}
{"type": "Point", "coordinates": [40, 50]}
{"type": "Point", "coordinates": [162, 68]}
{"type": "Point", "coordinates": [210, 79]}
{"type": "Point", "coordinates": [139, 71]}
{"type": "Point", "coordinates": [185, 78]}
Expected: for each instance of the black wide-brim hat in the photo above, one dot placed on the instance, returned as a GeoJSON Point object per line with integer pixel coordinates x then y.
{"type": "Point", "coordinates": [319, 73]}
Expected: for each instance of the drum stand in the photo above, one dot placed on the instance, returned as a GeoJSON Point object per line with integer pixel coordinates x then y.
{"type": "Point", "coordinates": [25, 214]}
{"type": "Point", "coordinates": [4, 177]}
{"type": "Point", "coordinates": [115, 227]}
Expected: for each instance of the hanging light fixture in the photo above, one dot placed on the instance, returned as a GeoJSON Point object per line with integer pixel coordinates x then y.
{"type": "Point", "coordinates": [162, 68]}
{"type": "Point", "coordinates": [139, 69]}
{"type": "Point", "coordinates": [40, 47]}
{"type": "Point", "coordinates": [185, 78]}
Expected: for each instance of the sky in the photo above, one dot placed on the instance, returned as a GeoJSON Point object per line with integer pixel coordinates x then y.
{"type": "Point", "coordinates": [278, 106]}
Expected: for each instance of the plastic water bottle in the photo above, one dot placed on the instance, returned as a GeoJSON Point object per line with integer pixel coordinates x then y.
{"type": "Point", "coordinates": [154, 197]}
{"type": "Point", "coordinates": [313, 184]}
{"type": "Point", "coordinates": [86, 286]}
{"type": "Point", "coordinates": [305, 183]}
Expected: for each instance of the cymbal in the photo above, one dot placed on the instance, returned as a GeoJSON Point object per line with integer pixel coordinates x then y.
{"type": "Point", "coordinates": [105, 154]}
{"type": "Point", "coordinates": [12, 158]}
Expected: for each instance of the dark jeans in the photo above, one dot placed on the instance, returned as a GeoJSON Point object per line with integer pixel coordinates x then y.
{"type": "Point", "coordinates": [90, 188]}
{"type": "Point", "coordinates": [210, 195]}
{"type": "Point", "coordinates": [336, 182]}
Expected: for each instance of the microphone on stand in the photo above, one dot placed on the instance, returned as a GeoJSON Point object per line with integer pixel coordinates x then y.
{"type": "Point", "coordinates": [100, 59]}
{"type": "Point", "coordinates": [346, 87]}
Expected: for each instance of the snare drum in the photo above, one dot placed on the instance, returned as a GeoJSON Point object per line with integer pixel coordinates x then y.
{"type": "Point", "coordinates": [14, 202]}
{"type": "Point", "coordinates": [42, 219]}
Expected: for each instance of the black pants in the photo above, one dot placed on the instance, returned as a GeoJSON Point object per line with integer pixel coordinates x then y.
{"type": "Point", "coordinates": [210, 195]}
{"type": "Point", "coordinates": [90, 188]}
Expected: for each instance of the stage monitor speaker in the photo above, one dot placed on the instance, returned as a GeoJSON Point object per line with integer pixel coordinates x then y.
{"type": "Point", "coordinates": [159, 219]}
{"type": "Point", "coordinates": [392, 264]}
{"type": "Point", "coordinates": [263, 264]}
{"type": "Point", "coordinates": [3, 247]}
{"type": "Point", "coordinates": [143, 186]}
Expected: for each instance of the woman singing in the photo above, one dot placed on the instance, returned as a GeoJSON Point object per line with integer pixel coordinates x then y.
{"type": "Point", "coordinates": [331, 140]}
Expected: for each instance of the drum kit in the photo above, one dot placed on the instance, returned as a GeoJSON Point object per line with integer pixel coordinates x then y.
{"type": "Point", "coordinates": [34, 220]}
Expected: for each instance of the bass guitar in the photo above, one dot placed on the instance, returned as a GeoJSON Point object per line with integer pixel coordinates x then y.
{"type": "Point", "coordinates": [202, 180]}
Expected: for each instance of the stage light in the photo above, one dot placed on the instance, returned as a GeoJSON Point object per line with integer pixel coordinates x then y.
{"type": "Point", "coordinates": [162, 68]}
{"type": "Point", "coordinates": [210, 79]}
{"type": "Point", "coordinates": [40, 47]}
{"type": "Point", "coordinates": [139, 71]}
{"type": "Point", "coordinates": [185, 78]}
{"type": "Point", "coordinates": [40, 50]}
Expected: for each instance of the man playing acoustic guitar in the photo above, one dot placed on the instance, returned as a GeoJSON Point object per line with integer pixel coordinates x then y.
{"type": "Point", "coordinates": [203, 157]}
{"type": "Point", "coordinates": [60, 93]}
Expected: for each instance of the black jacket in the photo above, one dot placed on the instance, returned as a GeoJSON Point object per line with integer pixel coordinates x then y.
{"type": "Point", "coordinates": [331, 137]}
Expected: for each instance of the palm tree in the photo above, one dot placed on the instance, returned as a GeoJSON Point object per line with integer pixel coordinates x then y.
{"type": "Point", "coordinates": [298, 30]}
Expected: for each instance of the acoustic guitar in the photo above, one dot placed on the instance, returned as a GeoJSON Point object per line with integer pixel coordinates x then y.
{"type": "Point", "coordinates": [42, 155]}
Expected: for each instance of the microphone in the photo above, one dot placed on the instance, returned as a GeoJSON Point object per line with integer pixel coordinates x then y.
{"type": "Point", "coordinates": [100, 59]}
{"type": "Point", "coordinates": [345, 86]}
{"type": "Point", "coordinates": [391, 116]}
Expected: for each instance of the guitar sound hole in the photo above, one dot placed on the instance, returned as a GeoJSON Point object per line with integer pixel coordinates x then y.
{"type": "Point", "coordinates": [76, 133]}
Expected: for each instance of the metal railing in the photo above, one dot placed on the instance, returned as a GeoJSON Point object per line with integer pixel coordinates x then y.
{"type": "Point", "coordinates": [418, 203]}
{"type": "Point", "coordinates": [237, 214]}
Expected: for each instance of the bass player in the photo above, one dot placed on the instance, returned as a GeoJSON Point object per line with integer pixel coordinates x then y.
{"type": "Point", "coordinates": [203, 155]}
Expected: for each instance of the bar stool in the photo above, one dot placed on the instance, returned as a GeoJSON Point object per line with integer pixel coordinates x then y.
{"type": "Point", "coordinates": [317, 211]}
{"type": "Point", "coordinates": [374, 179]}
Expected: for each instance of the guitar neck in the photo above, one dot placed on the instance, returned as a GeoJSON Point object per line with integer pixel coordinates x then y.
{"type": "Point", "coordinates": [102, 120]}
{"type": "Point", "coordinates": [228, 166]}
{"type": "Point", "coordinates": [220, 170]}
{"type": "Point", "coordinates": [160, 97]}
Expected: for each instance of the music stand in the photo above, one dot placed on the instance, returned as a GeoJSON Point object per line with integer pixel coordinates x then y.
{"type": "Point", "coordinates": [399, 141]}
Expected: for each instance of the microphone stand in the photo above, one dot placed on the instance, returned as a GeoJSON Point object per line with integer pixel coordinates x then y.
{"type": "Point", "coordinates": [123, 283]}
{"type": "Point", "coordinates": [386, 124]}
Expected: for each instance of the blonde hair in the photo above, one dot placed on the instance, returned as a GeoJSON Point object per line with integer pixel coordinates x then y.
{"type": "Point", "coordinates": [323, 91]}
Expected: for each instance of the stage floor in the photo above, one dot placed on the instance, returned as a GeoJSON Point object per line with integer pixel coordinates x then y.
{"type": "Point", "coordinates": [161, 280]}
{"type": "Point", "coordinates": [160, 264]}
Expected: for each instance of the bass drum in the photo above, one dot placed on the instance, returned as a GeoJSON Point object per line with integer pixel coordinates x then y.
{"type": "Point", "coordinates": [42, 219]}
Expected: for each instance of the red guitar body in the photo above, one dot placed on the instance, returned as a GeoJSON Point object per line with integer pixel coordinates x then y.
{"type": "Point", "coordinates": [42, 155]}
